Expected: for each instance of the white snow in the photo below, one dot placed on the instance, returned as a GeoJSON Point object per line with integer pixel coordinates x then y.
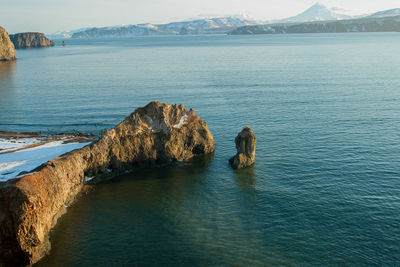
{"type": "Point", "coordinates": [318, 12]}
{"type": "Point", "coordinates": [182, 121]}
{"type": "Point", "coordinates": [11, 164]}
{"type": "Point", "coordinates": [88, 178]}
{"type": "Point", "coordinates": [13, 144]}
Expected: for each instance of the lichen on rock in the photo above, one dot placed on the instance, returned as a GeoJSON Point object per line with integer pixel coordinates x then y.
{"type": "Point", "coordinates": [246, 149]}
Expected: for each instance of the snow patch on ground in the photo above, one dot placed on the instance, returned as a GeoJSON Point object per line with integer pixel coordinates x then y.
{"type": "Point", "coordinates": [7, 144]}
{"type": "Point", "coordinates": [11, 164]}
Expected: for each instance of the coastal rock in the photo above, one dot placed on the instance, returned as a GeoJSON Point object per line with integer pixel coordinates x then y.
{"type": "Point", "coordinates": [246, 149]}
{"type": "Point", "coordinates": [7, 50]}
{"type": "Point", "coordinates": [30, 40]}
{"type": "Point", "coordinates": [31, 205]}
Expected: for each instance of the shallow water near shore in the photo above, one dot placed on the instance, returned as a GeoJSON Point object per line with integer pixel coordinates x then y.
{"type": "Point", "coordinates": [325, 109]}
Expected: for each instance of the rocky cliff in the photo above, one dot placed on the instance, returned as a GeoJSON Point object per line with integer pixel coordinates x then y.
{"type": "Point", "coordinates": [31, 205]}
{"type": "Point", "coordinates": [30, 40]}
{"type": "Point", "coordinates": [7, 50]}
{"type": "Point", "coordinates": [246, 149]}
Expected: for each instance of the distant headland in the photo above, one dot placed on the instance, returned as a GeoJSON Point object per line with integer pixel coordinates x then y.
{"type": "Point", "coordinates": [30, 40]}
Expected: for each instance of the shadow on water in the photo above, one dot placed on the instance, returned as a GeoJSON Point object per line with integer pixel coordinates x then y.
{"type": "Point", "coordinates": [193, 168]}
{"type": "Point", "coordinates": [7, 72]}
{"type": "Point", "coordinates": [246, 177]}
{"type": "Point", "coordinates": [128, 219]}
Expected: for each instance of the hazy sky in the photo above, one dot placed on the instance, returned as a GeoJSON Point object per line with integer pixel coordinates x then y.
{"type": "Point", "coordinates": [52, 15]}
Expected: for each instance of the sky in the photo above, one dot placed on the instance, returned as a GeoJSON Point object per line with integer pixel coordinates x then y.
{"type": "Point", "coordinates": [49, 16]}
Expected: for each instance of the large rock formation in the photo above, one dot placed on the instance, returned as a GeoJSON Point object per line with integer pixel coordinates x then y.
{"type": "Point", "coordinates": [30, 40]}
{"type": "Point", "coordinates": [246, 149]}
{"type": "Point", "coordinates": [31, 205]}
{"type": "Point", "coordinates": [7, 50]}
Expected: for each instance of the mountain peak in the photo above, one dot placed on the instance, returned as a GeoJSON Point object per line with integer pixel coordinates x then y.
{"type": "Point", "coordinates": [319, 5]}
{"type": "Point", "coordinates": [317, 12]}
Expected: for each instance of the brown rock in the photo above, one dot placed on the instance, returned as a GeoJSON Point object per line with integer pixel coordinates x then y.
{"type": "Point", "coordinates": [31, 205]}
{"type": "Point", "coordinates": [246, 149]}
{"type": "Point", "coordinates": [7, 50]}
{"type": "Point", "coordinates": [30, 40]}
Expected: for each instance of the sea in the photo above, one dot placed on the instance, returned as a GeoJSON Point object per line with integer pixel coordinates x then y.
{"type": "Point", "coordinates": [325, 108]}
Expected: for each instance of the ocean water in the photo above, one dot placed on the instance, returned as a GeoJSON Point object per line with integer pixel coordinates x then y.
{"type": "Point", "coordinates": [325, 189]}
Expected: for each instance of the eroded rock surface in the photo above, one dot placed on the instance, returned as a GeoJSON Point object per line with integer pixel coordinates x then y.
{"type": "Point", "coordinates": [246, 149]}
{"type": "Point", "coordinates": [31, 205]}
{"type": "Point", "coordinates": [7, 50]}
{"type": "Point", "coordinates": [30, 40]}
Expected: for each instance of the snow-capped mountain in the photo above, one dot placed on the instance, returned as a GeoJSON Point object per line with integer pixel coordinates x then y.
{"type": "Point", "coordinates": [368, 24]}
{"type": "Point", "coordinates": [64, 34]}
{"type": "Point", "coordinates": [208, 23]}
{"type": "Point", "coordinates": [218, 24]}
{"type": "Point", "coordinates": [386, 13]}
{"type": "Point", "coordinates": [318, 12]}
{"type": "Point", "coordinates": [199, 26]}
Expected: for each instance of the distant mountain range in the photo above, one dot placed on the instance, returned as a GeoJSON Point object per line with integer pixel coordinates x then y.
{"type": "Point", "coordinates": [386, 13]}
{"type": "Point", "coordinates": [198, 26]}
{"type": "Point", "coordinates": [368, 24]}
{"type": "Point", "coordinates": [243, 25]}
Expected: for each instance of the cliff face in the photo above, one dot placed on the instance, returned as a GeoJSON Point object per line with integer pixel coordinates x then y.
{"type": "Point", "coordinates": [31, 205]}
{"type": "Point", "coordinates": [7, 50]}
{"type": "Point", "coordinates": [30, 40]}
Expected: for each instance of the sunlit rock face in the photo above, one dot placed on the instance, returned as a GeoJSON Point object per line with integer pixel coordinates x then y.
{"type": "Point", "coordinates": [246, 149]}
{"type": "Point", "coordinates": [31, 205]}
{"type": "Point", "coordinates": [7, 50]}
{"type": "Point", "coordinates": [30, 40]}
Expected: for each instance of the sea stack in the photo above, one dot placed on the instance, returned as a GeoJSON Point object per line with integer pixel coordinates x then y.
{"type": "Point", "coordinates": [30, 40]}
{"type": "Point", "coordinates": [246, 149]}
{"type": "Point", "coordinates": [7, 50]}
{"type": "Point", "coordinates": [30, 204]}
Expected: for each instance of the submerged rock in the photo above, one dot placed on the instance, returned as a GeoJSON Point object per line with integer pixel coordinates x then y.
{"type": "Point", "coordinates": [7, 50]}
{"type": "Point", "coordinates": [30, 40]}
{"type": "Point", "coordinates": [31, 205]}
{"type": "Point", "coordinates": [246, 149]}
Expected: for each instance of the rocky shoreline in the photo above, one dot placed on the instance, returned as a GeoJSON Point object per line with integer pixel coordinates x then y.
{"type": "Point", "coordinates": [30, 205]}
{"type": "Point", "coordinates": [38, 140]}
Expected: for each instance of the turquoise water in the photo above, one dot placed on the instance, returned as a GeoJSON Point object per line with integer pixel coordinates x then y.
{"type": "Point", "coordinates": [325, 189]}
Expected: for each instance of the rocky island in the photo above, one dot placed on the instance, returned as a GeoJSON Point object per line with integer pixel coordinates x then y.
{"type": "Point", "coordinates": [246, 149]}
{"type": "Point", "coordinates": [31, 203]}
{"type": "Point", "coordinates": [30, 40]}
{"type": "Point", "coordinates": [7, 50]}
